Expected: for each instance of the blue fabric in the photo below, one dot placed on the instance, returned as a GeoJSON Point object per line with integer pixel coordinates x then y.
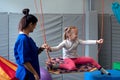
{"type": "Point", "coordinates": [96, 75]}
{"type": "Point", "coordinates": [25, 50]}
{"type": "Point", "coordinates": [116, 10]}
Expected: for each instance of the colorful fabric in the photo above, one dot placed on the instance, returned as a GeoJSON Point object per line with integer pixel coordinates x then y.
{"type": "Point", "coordinates": [7, 69]}
{"type": "Point", "coordinates": [79, 68]}
{"type": "Point", "coordinates": [116, 10]}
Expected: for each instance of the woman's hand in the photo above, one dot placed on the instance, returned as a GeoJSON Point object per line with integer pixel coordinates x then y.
{"type": "Point", "coordinates": [36, 77]}
{"type": "Point", "coordinates": [29, 67]}
{"type": "Point", "coordinates": [100, 41]}
{"type": "Point", "coordinates": [46, 46]}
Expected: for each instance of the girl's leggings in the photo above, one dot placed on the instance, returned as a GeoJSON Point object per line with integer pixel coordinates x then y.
{"type": "Point", "coordinates": [70, 63]}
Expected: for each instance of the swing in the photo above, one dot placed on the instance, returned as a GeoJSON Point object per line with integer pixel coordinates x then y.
{"type": "Point", "coordinates": [79, 68]}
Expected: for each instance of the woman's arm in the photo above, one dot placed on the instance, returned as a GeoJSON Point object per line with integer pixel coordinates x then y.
{"type": "Point", "coordinates": [44, 46]}
{"type": "Point", "coordinates": [29, 67]}
{"type": "Point", "coordinates": [40, 49]}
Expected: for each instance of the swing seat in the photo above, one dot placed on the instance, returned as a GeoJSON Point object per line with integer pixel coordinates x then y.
{"type": "Point", "coordinates": [79, 68]}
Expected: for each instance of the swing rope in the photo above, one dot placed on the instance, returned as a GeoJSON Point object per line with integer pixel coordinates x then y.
{"type": "Point", "coordinates": [102, 27]}
{"type": "Point", "coordinates": [83, 28]}
{"type": "Point", "coordinates": [42, 24]}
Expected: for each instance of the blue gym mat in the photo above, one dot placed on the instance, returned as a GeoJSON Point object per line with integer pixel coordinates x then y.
{"type": "Point", "coordinates": [96, 75]}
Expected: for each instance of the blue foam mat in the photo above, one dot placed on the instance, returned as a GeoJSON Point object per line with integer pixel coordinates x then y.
{"type": "Point", "coordinates": [96, 75]}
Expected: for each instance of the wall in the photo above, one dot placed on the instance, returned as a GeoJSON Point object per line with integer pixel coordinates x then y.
{"type": "Point", "coordinates": [97, 5]}
{"type": "Point", "coordinates": [56, 6]}
{"type": "Point", "coordinates": [49, 6]}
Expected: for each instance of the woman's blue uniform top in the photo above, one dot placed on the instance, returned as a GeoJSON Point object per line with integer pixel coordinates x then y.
{"type": "Point", "coordinates": [25, 50]}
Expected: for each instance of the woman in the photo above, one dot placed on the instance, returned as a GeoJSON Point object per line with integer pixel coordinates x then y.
{"type": "Point", "coordinates": [25, 50]}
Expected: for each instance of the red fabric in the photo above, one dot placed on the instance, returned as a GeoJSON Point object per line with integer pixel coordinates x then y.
{"type": "Point", "coordinates": [84, 60]}
{"type": "Point", "coordinates": [70, 63]}
{"type": "Point", "coordinates": [8, 70]}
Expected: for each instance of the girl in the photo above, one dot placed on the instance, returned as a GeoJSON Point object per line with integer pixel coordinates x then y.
{"type": "Point", "coordinates": [25, 50]}
{"type": "Point", "coordinates": [70, 56]}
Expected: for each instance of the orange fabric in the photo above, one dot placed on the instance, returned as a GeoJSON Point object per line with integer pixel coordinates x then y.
{"type": "Point", "coordinates": [3, 75]}
{"type": "Point", "coordinates": [8, 63]}
{"type": "Point", "coordinates": [7, 69]}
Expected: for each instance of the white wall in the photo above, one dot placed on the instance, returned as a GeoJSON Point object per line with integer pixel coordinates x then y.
{"type": "Point", "coordinates": [55, 6]}
{"type": "Point", "coordinates": [97, 5]}
{"type": "Point", "coordinates": [49, 6]}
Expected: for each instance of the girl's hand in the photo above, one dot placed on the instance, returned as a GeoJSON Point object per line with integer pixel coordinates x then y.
{"type": "Point", "coordinates": [100, 41]}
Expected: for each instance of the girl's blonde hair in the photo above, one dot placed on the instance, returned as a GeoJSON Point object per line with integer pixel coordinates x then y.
{"type": "Point", "coordinates": [67, 31]}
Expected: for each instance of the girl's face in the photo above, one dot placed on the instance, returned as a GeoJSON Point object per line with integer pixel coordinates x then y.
{"type": "Point", "coordinates": [73, 35]}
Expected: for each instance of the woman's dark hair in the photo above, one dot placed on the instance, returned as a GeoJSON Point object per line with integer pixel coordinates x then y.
{"type": "Point", "coordinates": [26, 20]}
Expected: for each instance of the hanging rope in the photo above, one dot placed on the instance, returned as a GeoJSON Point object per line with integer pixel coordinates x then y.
{"type": "Point", "coordinates": [83, 28]}
{"type": "Point", "coordinates": [102, 27]}
{"type": "Point", "coordinates": [42, 24]}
